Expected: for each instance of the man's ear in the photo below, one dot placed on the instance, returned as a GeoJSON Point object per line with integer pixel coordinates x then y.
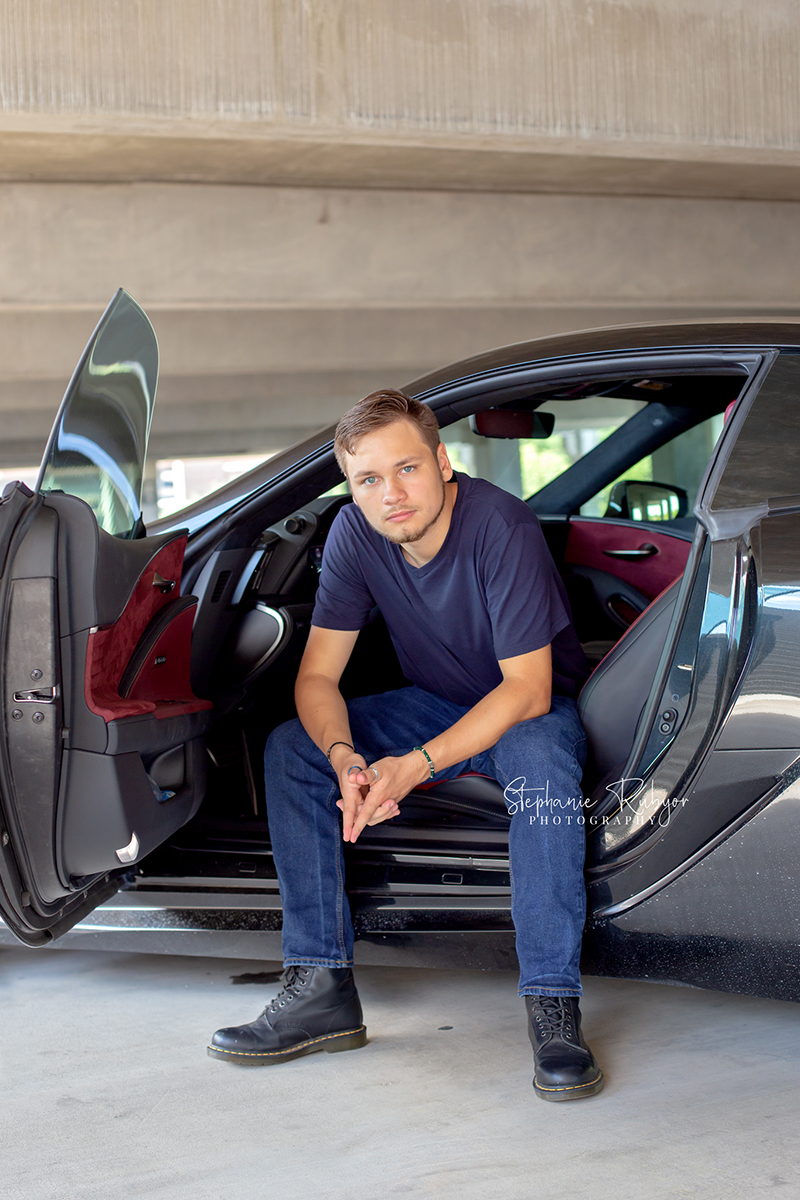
{"type": "Point", "coordinates": [445, 465]}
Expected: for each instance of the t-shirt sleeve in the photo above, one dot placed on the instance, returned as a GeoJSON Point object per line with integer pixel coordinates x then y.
{"type": "Point", "coordinates": [343, 600]}
{"type": "Point", "coordinates": [522, 594]}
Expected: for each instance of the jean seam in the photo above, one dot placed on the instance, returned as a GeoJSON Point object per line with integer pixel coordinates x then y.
{"type": "Point", "coordinates": [549, 991]}
{"type": "Point", "coordinates": [302, 960]}
{"type": "Point", "coordinates": [339, 888]}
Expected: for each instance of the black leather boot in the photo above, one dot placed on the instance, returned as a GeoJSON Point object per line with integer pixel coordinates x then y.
{"type": "Point", "coordinates": [564, 1066]}
{"type": "Point", "coordinates": [316, 1009]}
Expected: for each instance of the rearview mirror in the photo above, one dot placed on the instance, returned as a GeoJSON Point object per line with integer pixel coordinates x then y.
{"type": "Point", "coordinates": [638, 500]}
{"type": "Point", "coordinates": [512, 423]}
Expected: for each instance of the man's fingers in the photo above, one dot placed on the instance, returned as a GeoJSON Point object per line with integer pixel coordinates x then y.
{"type": "Point", "coordinates": [352, 798]}
{"type": "Point", "coordinates": [371, 812]}
{"type": "Point", "coordinates": [364, 799]}
{"type": "Point", "coordinates": [389, 808]}
{"type": "Point", "coordinates": [385, 812]}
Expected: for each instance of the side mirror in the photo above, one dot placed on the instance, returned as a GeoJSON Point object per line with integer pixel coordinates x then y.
{"type": "Point", "coordinates": [512, 423]}
{"type": "Point", "coordinates": [637, 500]}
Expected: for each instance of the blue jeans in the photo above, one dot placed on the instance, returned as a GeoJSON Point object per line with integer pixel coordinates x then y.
{"type": "Point", "coordinates": [538, 763]}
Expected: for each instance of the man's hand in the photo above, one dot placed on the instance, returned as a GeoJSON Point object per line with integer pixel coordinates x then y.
{"type": "Point", "coordinates": [367, 800]}
{"type": "Point", "coordinates": [354, 786]}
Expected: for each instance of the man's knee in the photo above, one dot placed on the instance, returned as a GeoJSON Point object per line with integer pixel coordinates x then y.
{"type": "Point", "coordinates": [540, 766]}
{"type": "Point", "coordinates": [557, 730]}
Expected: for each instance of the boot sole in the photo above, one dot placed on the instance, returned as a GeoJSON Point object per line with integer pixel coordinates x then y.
{"type": "Point", "coordinates": [574, 1092]}
{"type": "Point", "coordinates": [332, 1043]}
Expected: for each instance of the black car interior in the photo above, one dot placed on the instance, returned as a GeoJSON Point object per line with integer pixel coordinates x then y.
{"type": "Point", "coordinates": [255, 605]}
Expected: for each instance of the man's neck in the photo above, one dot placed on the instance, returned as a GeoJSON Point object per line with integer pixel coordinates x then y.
{"type": "Point", "coordinates": [419, 554]}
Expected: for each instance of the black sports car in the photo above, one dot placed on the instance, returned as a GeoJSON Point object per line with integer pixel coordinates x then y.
{"type": "Point", "coordinates": [142, 670]}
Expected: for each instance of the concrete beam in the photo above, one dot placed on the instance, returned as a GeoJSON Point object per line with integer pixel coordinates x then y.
{"type": "Point", "coordinates": [669, 97]}
{"type": "Point", "coordinates": [124, 150]}
{"type": "Point", "coordinates": [384, 344]}
{"type": "Point", "coordinates": [178, 246]}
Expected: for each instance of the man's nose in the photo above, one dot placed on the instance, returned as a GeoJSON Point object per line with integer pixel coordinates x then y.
{"type": "Point", "coordinates": [393, 492]}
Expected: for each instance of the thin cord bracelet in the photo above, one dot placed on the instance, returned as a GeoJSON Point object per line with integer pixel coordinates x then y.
{"type": "Point", "coordinates": [422, 750]}
{"type": "Point", "coordinates": [328, 751]}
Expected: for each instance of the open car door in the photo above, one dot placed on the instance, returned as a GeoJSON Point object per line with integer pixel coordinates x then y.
{"type": "Point", "coordinates": [102, 752]}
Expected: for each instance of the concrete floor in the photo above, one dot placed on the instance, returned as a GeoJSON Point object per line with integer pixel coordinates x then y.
{"type": "Point", "coordinates": [108, 1091]}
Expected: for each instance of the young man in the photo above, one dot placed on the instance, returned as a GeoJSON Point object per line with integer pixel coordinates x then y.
{"type": "Point", "coordinates": [479, 618]}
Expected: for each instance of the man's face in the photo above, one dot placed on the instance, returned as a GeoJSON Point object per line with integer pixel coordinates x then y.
{"type": "Point", "coordinates": [397, 482]}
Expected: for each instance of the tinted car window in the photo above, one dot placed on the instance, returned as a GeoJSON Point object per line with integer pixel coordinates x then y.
{"type": "Point", "coordinates": [98, 445]}
{"type": "Point", "coordinates": [765, 461]}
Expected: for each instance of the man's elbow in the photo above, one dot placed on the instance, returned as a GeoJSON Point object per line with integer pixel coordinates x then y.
{"type": "Point", "coordinates": [536, 703]}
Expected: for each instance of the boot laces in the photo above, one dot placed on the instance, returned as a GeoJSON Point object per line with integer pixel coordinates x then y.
{"type": "Point", "coordinates": [293, 979]}
{"type": "Point", "coordinates": [554, 1016]}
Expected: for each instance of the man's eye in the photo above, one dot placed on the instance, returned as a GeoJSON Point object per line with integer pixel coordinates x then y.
{"type": "Point", "coordinates": [370, 479]}
{"type": "Point", "coordinates": [404, 470]}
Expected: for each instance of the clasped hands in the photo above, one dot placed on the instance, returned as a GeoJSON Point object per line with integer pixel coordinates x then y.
{"type": "Point", "coordinates": [373, 793]}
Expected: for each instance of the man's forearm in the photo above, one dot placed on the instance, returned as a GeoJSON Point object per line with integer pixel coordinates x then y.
{"type": "Point", "coordinates": [517, 698]}
{"type": "Point", "coordinates": [485, 723]}
{"type": "Point", "coordinates": [322, 711]}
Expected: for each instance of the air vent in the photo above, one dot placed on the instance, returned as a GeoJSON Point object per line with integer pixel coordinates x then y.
{"type": "Point", "coordinates": [219, 586]}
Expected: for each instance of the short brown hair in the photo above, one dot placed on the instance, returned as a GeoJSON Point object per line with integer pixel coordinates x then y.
{"type": "Point", "coordinates": [377, 410]}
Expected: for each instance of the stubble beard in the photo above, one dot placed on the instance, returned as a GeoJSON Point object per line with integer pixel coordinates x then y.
{"type": "Point", "coordinates": [405, 538]}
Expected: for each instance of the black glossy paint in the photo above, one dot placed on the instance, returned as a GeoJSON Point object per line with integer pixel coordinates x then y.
{"type": "Point", "coordinates": [731, 922]}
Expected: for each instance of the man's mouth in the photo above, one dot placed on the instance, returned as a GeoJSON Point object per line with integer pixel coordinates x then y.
{"type": "Point", "coordinates": [400, 516]}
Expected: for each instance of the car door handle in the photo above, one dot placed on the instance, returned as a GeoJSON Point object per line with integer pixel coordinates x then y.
{"type": "Point", "coordinates": [643, 552]}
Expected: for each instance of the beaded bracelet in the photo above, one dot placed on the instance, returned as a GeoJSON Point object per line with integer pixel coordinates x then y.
{"type": "Point", "coordinates": [430, 760]}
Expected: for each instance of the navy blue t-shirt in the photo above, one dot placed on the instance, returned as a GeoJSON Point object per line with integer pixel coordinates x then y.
{"type": "Point", "coordinates": [491, 592]}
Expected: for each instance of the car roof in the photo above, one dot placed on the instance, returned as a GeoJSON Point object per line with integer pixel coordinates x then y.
{"type": "Point", "coordinates": [753, 332]}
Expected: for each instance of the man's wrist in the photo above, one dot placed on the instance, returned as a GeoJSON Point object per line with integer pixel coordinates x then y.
{"type": "Point", "coordinates": [422, 772]}
{"type": "Point", "coordinates": [342, 757]}
{"type": "Point", "coordinates": [339, 742]}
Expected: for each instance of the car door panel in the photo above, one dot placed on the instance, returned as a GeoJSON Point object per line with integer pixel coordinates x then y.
{"type": "Point", "coordinates": [160, 666]}
{"type": "Point", "coordinates": [98, 791]}
{"type": "Point", "coordinates": [132, 820]}
{"type": "Point", "coordinates": [637, 554]}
